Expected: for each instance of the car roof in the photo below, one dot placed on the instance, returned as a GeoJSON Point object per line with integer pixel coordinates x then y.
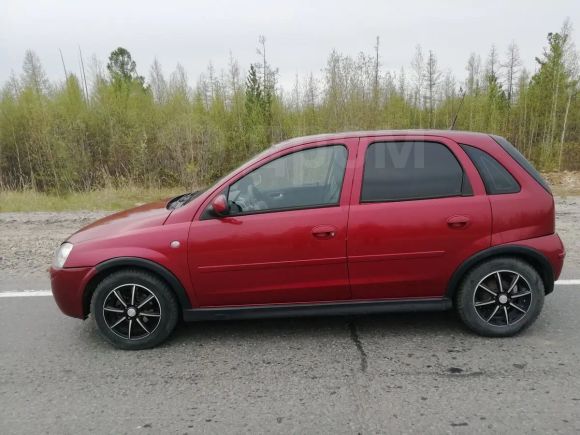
{"type": "Point", "coordinates": [458, 136]}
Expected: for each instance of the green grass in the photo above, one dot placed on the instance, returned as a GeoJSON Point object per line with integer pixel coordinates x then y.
{"type": "Point", "coordinates": [103, 199]}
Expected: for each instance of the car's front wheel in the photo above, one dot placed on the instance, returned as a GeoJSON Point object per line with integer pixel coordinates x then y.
{"type": "Point", "coordinates": [134, 309]}
{"type": "Point", "coordinates": [500, 297]}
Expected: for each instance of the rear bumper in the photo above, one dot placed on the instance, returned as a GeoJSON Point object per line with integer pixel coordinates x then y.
{"type": "Point", "coordinates": [560, 257]}
{"type": "Point", "coordinates": [551, 247]}
{"type": "Point", "coordinates": [68, 287]}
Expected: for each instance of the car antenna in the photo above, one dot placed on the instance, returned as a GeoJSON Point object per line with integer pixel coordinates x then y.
{"type": "Point", "coordinates": [458, 109]}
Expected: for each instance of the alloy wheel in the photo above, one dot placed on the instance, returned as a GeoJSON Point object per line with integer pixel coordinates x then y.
{"type": "Point", "coordinates": [502, 298]}
{"type": "Point", "coordinates": [132, 311]}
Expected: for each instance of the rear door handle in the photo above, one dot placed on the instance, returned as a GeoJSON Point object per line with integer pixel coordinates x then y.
{"type": "Point", "coordinates": [324, 231]}
{"type": "Point", "coordinates": [458, 222]}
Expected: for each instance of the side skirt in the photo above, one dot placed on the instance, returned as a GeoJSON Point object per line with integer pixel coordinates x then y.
{"type": "Point", "coordinates": [319, 309]}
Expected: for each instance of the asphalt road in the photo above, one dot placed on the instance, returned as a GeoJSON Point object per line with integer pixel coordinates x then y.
{"type": "Point", "coordinates": [408, 373]}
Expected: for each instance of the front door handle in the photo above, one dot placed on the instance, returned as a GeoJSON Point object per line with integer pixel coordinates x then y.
{"type": "Point", "coordinates": [458, 222]}
{"type": "Point", "coordinates": [324, 231]}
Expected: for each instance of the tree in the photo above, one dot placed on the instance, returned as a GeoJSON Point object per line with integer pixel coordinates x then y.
{"type": "Point", "coordinates": [157, 82]}
{"type": "Point", "coordinates": [33, 76]}
{"type": "Point", "coordinates": [84, 134]}
{"type": "Point", "coordinates": [418, 68]}
{"type": "Point", "coordinates": [495, 105]}
{"type": "Point", "coordinates": [473, 73]}
{"type": "Point", "coordinates": [448, 91]}
{"type": "Point", "coordinates": [234, 75]}
{"type": "Point", "coordinates": [492, 67]}
{"type": "Point", "coordinates": [402, 85]}
{"type": "Point", "coordinates": [268, 81]}
{"type": "Point", "coordinates": [377, 66]}
{"type": "Point", "coordinates": [550, 88]}
{"type": "Point", "coordinates": [511, 65]}
{"type": "Point", "coordinates": [122, 67]}
{"type": "Point", "coordinates": [432, 77]}
{"type": "Point", "coordinates": [254, 95]}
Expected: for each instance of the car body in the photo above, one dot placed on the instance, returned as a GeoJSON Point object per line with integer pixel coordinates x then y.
{"type": "Point", "coordinates": [340, 223]}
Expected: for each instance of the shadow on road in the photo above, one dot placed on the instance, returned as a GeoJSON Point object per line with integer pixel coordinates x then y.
{"type": "Point", "coordinates": [400, 324]}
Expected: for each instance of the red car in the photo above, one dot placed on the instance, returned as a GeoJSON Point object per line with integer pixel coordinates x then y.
{"type": "Point", "coordinates": [350, 223]}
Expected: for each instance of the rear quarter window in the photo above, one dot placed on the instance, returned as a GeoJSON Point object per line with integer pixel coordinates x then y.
{"type": "Point", "coordinates": [496, 178]}
{"type": "Point", "coordinates": [522, 161]}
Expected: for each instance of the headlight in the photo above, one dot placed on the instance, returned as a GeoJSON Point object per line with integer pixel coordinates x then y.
{"type": "Point", "coordinates": [62, 254]}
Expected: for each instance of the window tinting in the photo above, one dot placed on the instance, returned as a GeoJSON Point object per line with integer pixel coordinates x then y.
{"type": "Point", "coordinates": [308, 178]}
{"type": "Point", "coordinates": [411, 170]}
{"type": "Point", "coordinates": [495, 177]}
{"type": "Point", "coordinates": [522, 161]}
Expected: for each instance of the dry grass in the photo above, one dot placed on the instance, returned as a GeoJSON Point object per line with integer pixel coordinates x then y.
{"type": "Point", "coordinates": [103, 199]}
{"type": "Point", "coordinates": [565, 183]}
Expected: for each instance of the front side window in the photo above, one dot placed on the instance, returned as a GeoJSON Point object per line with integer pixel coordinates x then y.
{"type": "Point", "coordinates": [304, 179]}
{"type": "Point", "coordinates": [397, 171]}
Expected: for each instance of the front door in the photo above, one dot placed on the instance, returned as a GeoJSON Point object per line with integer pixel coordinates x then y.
{"type": "Point", "coordinates": [418, 210]}
{"type": "Point", "coordinates": [284, 239]}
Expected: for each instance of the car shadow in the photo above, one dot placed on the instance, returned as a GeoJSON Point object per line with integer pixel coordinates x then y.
{"type": "Point", "coordinates": [398, 324]}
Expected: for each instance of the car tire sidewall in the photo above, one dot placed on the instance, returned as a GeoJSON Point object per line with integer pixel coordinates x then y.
{"type": "Point", "coordinates": [466, 308]}
{"type": "Point", "coordinates": [166, 298]}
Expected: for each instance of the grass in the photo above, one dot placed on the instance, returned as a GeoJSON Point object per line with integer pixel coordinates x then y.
{"type": "Point", "coordinates": [564, 184]}
{"type": "Point", "coordinates": [103, 199]}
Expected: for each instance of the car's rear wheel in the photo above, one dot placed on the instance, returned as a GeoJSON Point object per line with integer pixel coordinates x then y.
{"type": "Point", "coordinates": [134, 309]}
{"type": "Point", "coordinates": [500, 297]}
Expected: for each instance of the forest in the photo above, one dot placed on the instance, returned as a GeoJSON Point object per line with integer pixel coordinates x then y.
{"type": "Point", "coordinates": [111, 126]}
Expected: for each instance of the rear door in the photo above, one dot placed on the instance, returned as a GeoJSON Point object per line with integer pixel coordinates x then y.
{"type": "Point", "coordinates": [418, 210]}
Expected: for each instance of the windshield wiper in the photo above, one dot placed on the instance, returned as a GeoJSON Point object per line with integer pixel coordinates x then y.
{"type": "Point", "coordinates": [181, 200]}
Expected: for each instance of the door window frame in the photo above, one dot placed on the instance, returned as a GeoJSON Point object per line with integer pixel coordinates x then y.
{"type": "Point", "coordinates": [349, 144]}
{"type": "Point", "coordinates": [469, 171]}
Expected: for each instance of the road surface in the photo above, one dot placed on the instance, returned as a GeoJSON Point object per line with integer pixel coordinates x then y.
{"type": "Point", "coordinates": [404, 373]}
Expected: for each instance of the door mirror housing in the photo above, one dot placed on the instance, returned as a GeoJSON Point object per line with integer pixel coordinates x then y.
{"type": "Point", "coordinates": [220, 205]}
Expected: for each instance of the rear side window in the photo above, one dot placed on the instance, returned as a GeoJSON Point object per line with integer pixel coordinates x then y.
{"type": "Point", "coordinates": [396, 171]}
{"type": "Point", "coordinates": [522, 161]}
{"type": "Point", "coordinates": [496, 178]}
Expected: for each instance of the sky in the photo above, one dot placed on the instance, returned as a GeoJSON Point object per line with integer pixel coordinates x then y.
{"type": "Point", "coordinates": [300, 34]}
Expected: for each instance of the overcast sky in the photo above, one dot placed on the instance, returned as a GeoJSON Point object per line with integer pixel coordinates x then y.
{"type": "Point", "coordinates": [300, 33]}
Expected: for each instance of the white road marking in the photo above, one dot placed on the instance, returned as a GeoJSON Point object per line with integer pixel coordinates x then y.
{"type": "Point", "coordinates": [25, 293]}
{"type": "Point", "coordinates": [568, 282]}
{"type": "Point", "coordinates": [29, 293]}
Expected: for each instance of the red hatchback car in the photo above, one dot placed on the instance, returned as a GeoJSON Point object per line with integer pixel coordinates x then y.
{"type": "Point", "coordinates": [350, 223]}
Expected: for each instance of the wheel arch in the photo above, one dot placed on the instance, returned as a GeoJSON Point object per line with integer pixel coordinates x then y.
{"type": "Point", "coordinates": [535, 258]}
{"type": "Point", "coordinates": [110, 266]}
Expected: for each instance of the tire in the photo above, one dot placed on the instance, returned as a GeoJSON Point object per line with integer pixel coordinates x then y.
{"type": "Point", "coordinates": [495, 315]}
{"type": "Point", "coordinates": [134, 309]}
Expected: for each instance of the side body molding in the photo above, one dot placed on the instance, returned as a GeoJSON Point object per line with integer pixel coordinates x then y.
{"type": "Point", "coordinates": [534, 257]}
{"type": "Point", "coordinates": [142, 263]}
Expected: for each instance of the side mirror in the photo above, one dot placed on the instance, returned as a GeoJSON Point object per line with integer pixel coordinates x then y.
{"type": "Point", "coordinates": [220, 205]}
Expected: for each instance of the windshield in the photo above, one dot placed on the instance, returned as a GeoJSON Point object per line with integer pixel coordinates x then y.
{"type": "Point", "coordinates": [248, 162]}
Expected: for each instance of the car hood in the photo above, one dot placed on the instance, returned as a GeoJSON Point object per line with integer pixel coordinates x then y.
{"type": "Point", "coordinates": [147, 215]}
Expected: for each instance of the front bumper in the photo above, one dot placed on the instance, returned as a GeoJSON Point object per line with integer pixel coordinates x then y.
{"type": "Point", "coordinates": [68, 286]}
